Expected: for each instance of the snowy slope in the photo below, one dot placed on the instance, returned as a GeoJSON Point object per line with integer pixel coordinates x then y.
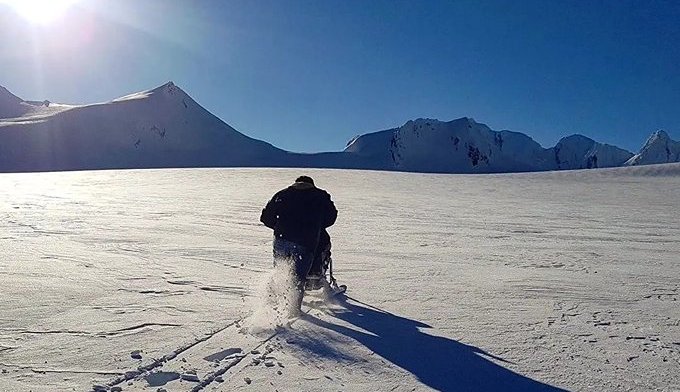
{"type": "Point", "coordinates": [162, 127]}
{"type": "Point", "coordinates": [461, 145]}
{"type": "Point", "coordinates": [10, 104]}
{"type": "Point", "coordinates": [159, 128]}
{"type": "Point", "coordinates": [565, 279]}
{"type": "Point", "coordinates": [580, 152]}
{"type": "Point", "coordinates": [15, 109]}
{"type": "Point", "coordinates": [659, 148]}
{"type": "Point", "coordinates": [465, 146]}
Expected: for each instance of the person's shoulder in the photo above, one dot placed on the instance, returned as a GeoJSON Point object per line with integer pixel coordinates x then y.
{"type": "Point", "coordinates": [323, 193]}
{"type": "Point", "coordinates": [282, 193]}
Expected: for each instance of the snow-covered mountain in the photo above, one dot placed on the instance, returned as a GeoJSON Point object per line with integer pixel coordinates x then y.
{"type": "Point", "coordinates": [659, 148]}
{"type": "Point", "coordinates": [580, 152]}
{"type": "Point", "coordinates": [10, 104]}
{"type": "Point", "coordinates": [165, 127]}
{"type": "Point", "coordinates": [162, 127]}
{"type": "Point", "coordinates": [465, 146]}
{"type": "Point", "coordinates": [460, 145]}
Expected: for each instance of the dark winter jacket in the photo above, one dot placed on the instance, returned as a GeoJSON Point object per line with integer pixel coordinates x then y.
{"type": "Point", "coordinates": [298, 214]}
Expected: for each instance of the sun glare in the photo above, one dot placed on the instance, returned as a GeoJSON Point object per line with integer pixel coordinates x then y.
{"type": "Point", "coordinates": [39, 11]}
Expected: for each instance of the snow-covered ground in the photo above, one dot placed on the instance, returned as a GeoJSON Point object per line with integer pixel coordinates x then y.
{"type": "Point", "coordinates": [560, 280]}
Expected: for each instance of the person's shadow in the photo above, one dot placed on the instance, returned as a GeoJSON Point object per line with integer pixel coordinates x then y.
{"type": "Point", "coordinates": [438, 362]}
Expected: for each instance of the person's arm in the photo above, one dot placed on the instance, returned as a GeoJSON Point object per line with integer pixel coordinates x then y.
{"type": "Point", "coordinates": [269, 214]}
{"type": "Point", "coordinates": [331, 213]}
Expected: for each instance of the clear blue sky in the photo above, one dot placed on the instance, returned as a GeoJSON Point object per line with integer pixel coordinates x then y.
{"type": "Point", "coordinates": [308, 75]}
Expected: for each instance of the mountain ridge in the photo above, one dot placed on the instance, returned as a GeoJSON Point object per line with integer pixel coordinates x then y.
{"type": "Point", "coordinates": [466, 146]}
{"type": "Point", "coordinates": [10, 104]}
{"type": "Point", "coordinates": [166, 127]}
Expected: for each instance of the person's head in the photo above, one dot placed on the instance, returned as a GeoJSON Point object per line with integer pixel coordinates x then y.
{"type": "Point", "coordinates": [306, 179]}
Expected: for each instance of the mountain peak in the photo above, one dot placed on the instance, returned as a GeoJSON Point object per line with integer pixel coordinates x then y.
{"type": "Point", "coordinates": [7, 96]}
{"type": "Point", "coordinates": [166, 90]}
{"type": "Point", "coordinates": [463, 121]}
{"type": "Point", "coordinates": [659, 148]}
{"type": "Point", "coordinates": [428, 122]}
{"type": "Point", "coordinates": [577, 137]}
{"type": "Point", "coordinates": [660, 134]}
{"type": "Point", "coordinates": [165, 87]}
{"type": "Point", "coordinates": [657, 137]}
{"type": "Point", "coordinates": [10, 104]}
{"type": "Point", "coordinates": [421, 122]}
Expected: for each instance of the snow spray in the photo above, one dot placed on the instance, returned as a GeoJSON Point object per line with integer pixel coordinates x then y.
{"type": "Point", "coordinates": [276, 300]}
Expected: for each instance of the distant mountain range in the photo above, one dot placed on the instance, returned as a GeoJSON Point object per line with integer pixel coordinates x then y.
{"type": "Point", "coordinates": [165, 127]}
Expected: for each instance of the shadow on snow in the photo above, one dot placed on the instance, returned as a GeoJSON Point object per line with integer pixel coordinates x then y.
{"type": "Point", "coordinates": [438, 362]}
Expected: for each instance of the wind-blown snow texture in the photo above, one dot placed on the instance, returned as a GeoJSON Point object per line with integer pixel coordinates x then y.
{"type": "Point", "coordinates": [164, 127]}
{"type": "Point", "coordinates": [519, 282]}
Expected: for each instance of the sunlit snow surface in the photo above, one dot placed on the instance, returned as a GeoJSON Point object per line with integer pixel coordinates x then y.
{"type": "Point", "coordinates": [456, 282]}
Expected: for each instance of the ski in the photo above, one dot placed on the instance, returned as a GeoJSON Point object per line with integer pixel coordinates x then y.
{"type": "Point", "coordinates": [339, 290]}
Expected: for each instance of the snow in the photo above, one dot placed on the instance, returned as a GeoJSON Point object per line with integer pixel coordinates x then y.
{"type": "Point", "coordinates": [534, 281]}
{"type": "Point", "coordinates": [275, 301]}
{"type": "Point", "coordinates": [162, 127]}
{"type": "Point", "coordinates": [165, 128]}
{"type": "Point", "coordinates": [10, 104]}
{"type": "Point", "coordinates": [466, 146]}
{"type": "Point", "coordinates": [580, 152]}
{"type": "Point", "coordinates": [659, 148]}
{"type": "Point", "coordinates": [15, 110]}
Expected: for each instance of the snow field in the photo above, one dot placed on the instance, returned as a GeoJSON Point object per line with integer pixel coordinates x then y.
{"type": "Point", "coordinates": [456, 282]}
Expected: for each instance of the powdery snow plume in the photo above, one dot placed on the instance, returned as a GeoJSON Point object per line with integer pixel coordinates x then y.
{"type": "Point", "coordinates": [275, 302]}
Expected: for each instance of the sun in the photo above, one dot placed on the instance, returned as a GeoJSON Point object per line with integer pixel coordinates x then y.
{"type": "Point", "coordinates": [39, 11]}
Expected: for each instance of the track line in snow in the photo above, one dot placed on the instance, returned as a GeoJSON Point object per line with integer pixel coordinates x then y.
{"type": "Point", "coordinates": [53, 370]}
{"type": "Point", "coordinates": [212, 377]}
{"type": "Point", "coordinates": [203, 362]}
{"type": "Point", "coordinates": [232, 366]}
{"type": "Point", "coordinates": [144, 325]}
{"type": "Point", "coordinates": [129, 375]}
{"type": "Point", "coordinates": [85, 333]}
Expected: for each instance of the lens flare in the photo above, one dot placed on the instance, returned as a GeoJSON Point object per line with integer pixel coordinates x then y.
{"type": "Point", "coordinates": [39, 11]}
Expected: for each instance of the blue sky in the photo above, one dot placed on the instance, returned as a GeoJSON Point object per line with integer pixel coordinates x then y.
{"type": "Point", "coordinates": [308, 75]}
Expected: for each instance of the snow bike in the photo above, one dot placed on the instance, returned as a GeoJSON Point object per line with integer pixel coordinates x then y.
{"type": "Point", "coordinates": [322, 274]}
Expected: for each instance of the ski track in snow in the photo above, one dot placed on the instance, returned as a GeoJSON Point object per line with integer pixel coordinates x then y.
{"type": "Point", "coordinates": [539, 281]}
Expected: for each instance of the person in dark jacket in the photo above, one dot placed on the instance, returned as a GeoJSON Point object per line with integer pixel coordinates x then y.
{"type": "Point", "coordinates": [298, 215]}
